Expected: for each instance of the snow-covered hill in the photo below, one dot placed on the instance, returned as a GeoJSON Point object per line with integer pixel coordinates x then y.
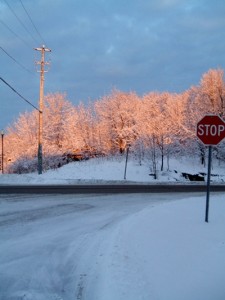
{"type": "Point", "coordinates": [113, 170]}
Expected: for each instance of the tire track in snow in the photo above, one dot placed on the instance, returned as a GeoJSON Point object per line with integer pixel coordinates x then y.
{"type": "Point", "coordinates": [22, 217]}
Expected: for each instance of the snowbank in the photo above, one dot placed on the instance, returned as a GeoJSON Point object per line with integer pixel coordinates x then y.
{"type": "Point", "coordinates": [168, 252]}
{"type": "Point", "coordinates": [113, 170]}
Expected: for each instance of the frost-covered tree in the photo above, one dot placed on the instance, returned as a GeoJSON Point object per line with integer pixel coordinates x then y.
{"type": "Point", "coordinates": [213, 91]}
{"type": "Point", "coordinates": [116, 115]}
{"type": "Point", "coordinates": [177, 131]}
{"type": "Point", "coordinates": [153, 122]}
{"type": "Point", "coordinates": [162, 119]}
{"type": "Point", "coordinates": [56, 114]}
{"type": "Point", "coordinates": [156, 125]}
{"type": "Point", "coordinates": [196, 108]}
{"type": "Point", "coordinates": [87, 127]}
{"type": "Point", "coordinates": [206, 98]}
{"type": "Point", "coordinates": [22, 137]}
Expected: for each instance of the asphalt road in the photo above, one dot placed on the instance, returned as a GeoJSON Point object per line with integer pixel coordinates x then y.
{"type": "Point", "coordinates": [108, 189]}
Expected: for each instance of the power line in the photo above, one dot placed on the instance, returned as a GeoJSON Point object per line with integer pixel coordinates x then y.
{"type": "Point", "coordinates": [32, 21]}
{"type": "Point", "coordinates": [13, 12]}
{"type": "Point", "coordinates": [15, 34]}
{"type": "Point", "coordinates": [15, 60]}
{"type": "Point", "coordinates": [19, 94]}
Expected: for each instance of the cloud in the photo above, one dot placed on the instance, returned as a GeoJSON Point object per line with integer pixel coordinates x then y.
{"type": "Point", "coordinates": [99, 44]}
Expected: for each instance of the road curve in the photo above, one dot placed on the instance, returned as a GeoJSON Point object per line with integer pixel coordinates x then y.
{"type": "Point", "coordinates": [108, 188]}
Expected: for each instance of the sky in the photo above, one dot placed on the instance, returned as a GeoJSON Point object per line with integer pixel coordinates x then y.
{"type": "Point", "coordinates": [99, 45]}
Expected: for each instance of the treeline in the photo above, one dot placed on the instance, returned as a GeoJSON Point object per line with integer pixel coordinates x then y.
{"type": "Point", "coordinates": [156, 125]}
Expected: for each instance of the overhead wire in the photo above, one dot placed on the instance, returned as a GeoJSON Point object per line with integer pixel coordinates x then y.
{"type": "Point", "coordinates": [32, 22]}
{"type": "Point", "coordinates": [19, 94]}
{"type": "Point", "coordinates": [19, 20]}
{"type": "Point", "coordinates": [15, 34]}
{"type": "Point", "coordinates": [28, 15]}
{"type": "Point", "coordinates": [22, 66]}
{"type": "Point", "coordinates": [40, 36]}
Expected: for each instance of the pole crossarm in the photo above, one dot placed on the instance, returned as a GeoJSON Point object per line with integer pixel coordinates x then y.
{"type": "Point", "coordinates": [43, 47]}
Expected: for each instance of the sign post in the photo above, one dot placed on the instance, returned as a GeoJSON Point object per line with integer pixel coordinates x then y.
{"type": "Point", "coordinates": [211, 131]}
{"type": "Point", "coordinates": [208, 185]}
{"type": "Point", "coordinates": [125, 171]}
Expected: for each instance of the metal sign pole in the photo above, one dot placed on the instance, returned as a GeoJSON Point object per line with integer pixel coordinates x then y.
{"type": "Point", "coordinates": [208, 185]}
{"type": "Point", "coordinates": [125, 171]}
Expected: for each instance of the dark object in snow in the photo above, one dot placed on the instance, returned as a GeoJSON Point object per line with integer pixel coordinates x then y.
{"type": "Point", "coordinates": [153, 175]}
{"type": "Point", "coordinates": [212, 175]}
{"type": "Point", "coordinates": [82, 154]}
{"type": "Point", "coordinates": [193, 177]}
{"type": "Point", "coordinates": [203, 174]}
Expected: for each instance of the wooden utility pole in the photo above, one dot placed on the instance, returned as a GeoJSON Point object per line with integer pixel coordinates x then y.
{"type": "Point", "coordinates": [42, 63]}
{"type": "Point", "coordinates": [2, 135]}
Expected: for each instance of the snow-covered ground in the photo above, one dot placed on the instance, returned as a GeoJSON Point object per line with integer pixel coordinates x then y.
{"type": "Point", "coordinates": [113, 170]}
{"type": "Point", "coordinates": [111, 247]}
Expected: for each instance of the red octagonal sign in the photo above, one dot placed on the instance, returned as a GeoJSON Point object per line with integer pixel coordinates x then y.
{"type": "Point", "coordinates": [211, 130]}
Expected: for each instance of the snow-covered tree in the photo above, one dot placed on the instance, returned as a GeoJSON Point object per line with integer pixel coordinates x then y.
{"type": "Point", "coordinates": [56, 114]}
{"type": "Point", "coordinates": [116, 115]}
{"type": "Point", "coordinates": [86, 125]}
{"type": "Point", "coordinates": [156, 125]}
{"type": "Point", "coordinates": [213, 91]}
{"type": "Point", "coordinates": [206, 98]}
{"type": "Point", "coordinates": [22, 137]}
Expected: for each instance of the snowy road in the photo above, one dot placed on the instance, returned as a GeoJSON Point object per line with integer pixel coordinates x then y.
{"type": "Point", "coordinates": [107, 247]}
{"type": "Point", "coordinates": [110, 188]}
{"type": "Point", "coordinates": [57, 247]}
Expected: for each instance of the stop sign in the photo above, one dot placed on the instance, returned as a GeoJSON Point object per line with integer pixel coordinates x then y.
{"type": "Point", "coordinates": [211, 129]}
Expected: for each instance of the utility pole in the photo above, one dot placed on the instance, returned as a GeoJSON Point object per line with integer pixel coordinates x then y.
{"type": "Point", "coordinates": [2, 135]}
{"type": "Point", "coordinates": [42, 64]}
